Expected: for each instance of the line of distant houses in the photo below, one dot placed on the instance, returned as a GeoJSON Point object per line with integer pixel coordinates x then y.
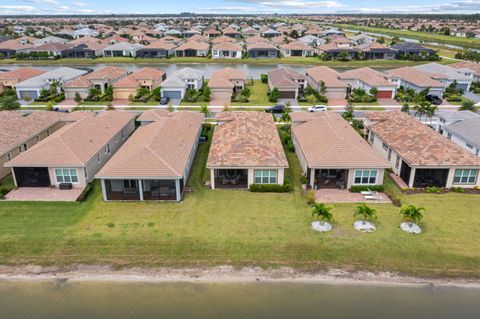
{"type": "Point", "coordinates": [225, 46]}
{"type": "Point", "coordinates": [29, 83]}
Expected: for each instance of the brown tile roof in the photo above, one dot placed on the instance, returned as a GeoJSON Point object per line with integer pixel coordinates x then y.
{"type": "Point", "coordinates": [16, 129]}
{"type": "Point", "coordinates": [367, 75]}
{"type": "Point", "coordinates": [107, 73]}
{"type": "Point", "coordinates": [467, 65]}
{"type": "Point", "coordinates": [159, 149]}
{"type": "Point", "coordinates": [296, 45]}
{"type": "Point", "coordinates": [20, 74]}
{"type": "Point", "coordinates": [417, 143]}
{"type": "Point", "coordinates": [52, 46]}
{"type": "Point", "coordinates": [261, 46]}
{"type": "Point", "coordinates": [284, 78]}
{"type": "Point", "coordinates": [223, 39]}
{"type": "Point", "coordinates": [223, 78]}
{"type": "Point", "coordinates": [413, 76]}
{"type": "Point", "coordinates": [132, 80]}
{"type": "Point", "coordinates": [193, 45]}
{"type": "Point", "coordinates": [329, 76]}
{"type": "Point", "coordinates": [256, 39]}
{"type": "Point", "coordinates": [328, 141]}
{"type": "Point", "coordinates": [75, 144]}
{"type": "Point", "coordinates": [160, 45]}
{"type": "Point", "coordinates": [227, 46]}
{"type": "Point", "coordinates": [246, 139]}
{"type": "Point", "coordinates": [18, 44]}
{"type": "Point", "coordinates": [152, 115]}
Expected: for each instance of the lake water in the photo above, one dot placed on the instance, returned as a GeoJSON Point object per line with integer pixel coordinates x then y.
{"type": "Point", "coordinates": [232, 300]}
{"type": "Point", "coordinates": [251, 70]}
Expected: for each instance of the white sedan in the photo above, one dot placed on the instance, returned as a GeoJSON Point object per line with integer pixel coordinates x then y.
{"type": "Point", "coordinates": [317, 108]}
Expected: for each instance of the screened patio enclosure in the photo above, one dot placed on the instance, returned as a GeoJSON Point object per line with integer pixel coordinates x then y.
{"type": "Point", "coordinates": [140, 190]}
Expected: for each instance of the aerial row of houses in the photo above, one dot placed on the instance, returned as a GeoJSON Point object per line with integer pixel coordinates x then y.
{"type": "Point", "coordinates": [228, 43]}
{"type": "Point", "coordinates": [153, 162]}
{"type": "Point", "coordinates": [223, 83]}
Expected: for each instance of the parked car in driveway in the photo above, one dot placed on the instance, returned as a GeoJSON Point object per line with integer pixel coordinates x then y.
{"type": "Point", "coordinates": [317, 108]}
{"type": "Point", "coordinates": [279, 108]}
{"type": "Point", "coordinates": [164, 100]}
{"type": "Point", "coordinates": [433, 99]}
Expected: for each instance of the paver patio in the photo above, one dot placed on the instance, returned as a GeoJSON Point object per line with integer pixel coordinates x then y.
{"type": "Point", "coordinates": [345, 196]}
{"type": "Point", "coordinates": [43, 194]}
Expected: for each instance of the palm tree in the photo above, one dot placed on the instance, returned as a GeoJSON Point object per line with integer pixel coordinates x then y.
{"type": "Point", "coordinates": [412, 214]}
{"type": "Point", "coordinates": [323, 212]}
{"type": "Point", "coordinates": [322, 89]}
{"type": "Point", "coordinates": [365, 212]}
{"type": "Point", "coordinates": [204, 109]}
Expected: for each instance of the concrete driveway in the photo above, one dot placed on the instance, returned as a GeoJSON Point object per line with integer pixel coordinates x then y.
{"type": "Point", "coordinates": [472, 96]}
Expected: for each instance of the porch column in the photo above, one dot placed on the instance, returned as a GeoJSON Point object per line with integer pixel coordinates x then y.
{"type": "Point", "coordinates": [212, 178]}
{"type": "Point", "coordinates": [104, 190]}
{"type": "Point", "coordinates": [140, 189]}
{"type": "Point", "coordinates": [312, 177]}
{"type": "Point", "coordinates": [412, 178]}
{"type": "Point", "coordinates": [177, 189]}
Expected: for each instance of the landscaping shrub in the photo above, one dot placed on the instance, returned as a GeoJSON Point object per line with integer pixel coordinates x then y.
{"type": "Point", "coordinates": [303, 180]}
{"type": "Point", "coordinates": [83, 196]}
{"type": "Point", "coordinates": [310, 197]}
{"type": "Point", "coordinates": [361, 188]}
{"type": "Point", "coordinates": [454, 98]}
{"type": "Point", "coordinates": [457, 190]}
{"type": "Point", "coordinates": [3, 192]}
{"type": "Point", "coordinates": [433, 189]}
{"type": "Point", "coordinates": [264, 78]}
{"type": "Point", "coordinates": [271, 188]}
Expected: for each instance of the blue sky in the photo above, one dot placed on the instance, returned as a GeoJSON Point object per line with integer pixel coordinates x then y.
{"type": "Point", "coordinates": [236, 6]}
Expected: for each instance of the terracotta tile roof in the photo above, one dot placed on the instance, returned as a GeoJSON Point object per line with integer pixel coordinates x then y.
{"type": "Point", "coordinates": [328, 141]}
{"type": "Point", "coordinates": [107, 73]}
{"type": "Point", "coordinates": [20, 74]}
{"type": "Point", "coordinates": [160, 149]}
{"type": "Point", "coordinates": [413, 76]}
{"type": "Point", "coordinates": [261, 46]}
{"type": "Point", "coordinates": [75, 144]}
{"type": "Point", "coordinates": [16, 129]}
{"type": "Point", "coordinates": [18, 44]}
{"type": "Point", "coordinates": [329, 76]}
{"type": "Point", "coordinates": [132, 80]}
{"type": "Point", "coordinates": [256, 39]}
{"type": "Point", "coordinates": [52, 46]}
{"type": "Point", "coordinates": [227, 46]}
{"type": "Point", "coordinates": [223, 78]}
{"type": "Point", "coordinates": [475, 67]}
{"type": "Point", "coordinates": [152, 115]}
{"type": "Point", "coordinates": [366, 75]}
{"type": "Point", "coordinates": [284, 78]}
{"type": "Point", "coordinates": [417, 143]}
{"type": "Point", "coordinates": [199, 38]}
{"type": "Point", "coordinates": [193, 45]}
{"type": "Point", "coordinates": [246, 139]}
{"type": "Point", "coordinates": [296, 45]}
{"type": "Point", "coordinates": [222, 39]}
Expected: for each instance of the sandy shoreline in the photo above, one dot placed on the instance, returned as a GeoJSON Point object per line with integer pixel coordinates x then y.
{"type": "Point", "coordinates": [222, 274]}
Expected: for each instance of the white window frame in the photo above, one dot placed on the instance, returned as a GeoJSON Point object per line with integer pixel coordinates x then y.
{"type": "Point", "coordinates": [9, 156]}
{"type": "Point", "coordinates": [367, 174]}
{"type": "Point", "coordinates": [467, 174]}
{"type": "Point", "coordinates": [265, 176]}
{"type": "Point", "coordinates": [66, 174]}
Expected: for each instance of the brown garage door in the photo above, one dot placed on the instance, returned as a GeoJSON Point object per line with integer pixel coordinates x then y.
{"type": "Point", "coordinates": [384, 95]}
{"type": "Point", "coordinates": [287, 94]}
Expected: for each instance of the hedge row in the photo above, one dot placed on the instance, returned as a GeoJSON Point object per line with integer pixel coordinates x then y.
{"type": "Point", "coordinates": [271, 188]}
{"type": "Point", "coordinates": [374, 188]}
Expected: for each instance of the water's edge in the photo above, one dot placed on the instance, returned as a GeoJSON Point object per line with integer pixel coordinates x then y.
{"type": "Point", "coordinates": [223, 274]}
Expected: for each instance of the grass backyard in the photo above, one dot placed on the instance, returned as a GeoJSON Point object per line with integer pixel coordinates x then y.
{"type": "Point", "coordinates": [290, 60]}
{"type": "Point", "coordinates": [259, 95]}
{"type": "Point", "coordinates": [241, 228]}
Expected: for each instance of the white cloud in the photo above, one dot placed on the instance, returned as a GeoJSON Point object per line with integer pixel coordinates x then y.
{"type": "Point", "coordinates": [43, 1]}
{"type": "Point", "coordinates": [236, 9]}
{"type": "Point", "coordinates": [15, 9]}
{"type": "Point", "coordinates": [295, 4]}
{"type": "Point", "coordinates": [80, 4]}
{"type": "Point", "coordinates": [466, 6]}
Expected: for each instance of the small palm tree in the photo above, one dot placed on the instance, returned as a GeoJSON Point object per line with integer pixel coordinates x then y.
{"type": "Point", "coordinates": [365, 212]}
{"type": "Point", "coordinates": [204, 109]}
{"type": "Point", "coordinates": [323, 212]}
{"type": "Point", "coordinates": [412, 214]}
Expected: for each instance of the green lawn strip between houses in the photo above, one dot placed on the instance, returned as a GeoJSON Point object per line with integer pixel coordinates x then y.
{"type": "Point", "coordinates": [242, 228]}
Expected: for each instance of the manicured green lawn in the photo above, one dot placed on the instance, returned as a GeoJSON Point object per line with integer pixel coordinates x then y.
{"type": "Point", "coordinates": [259, 94]}
{"type": "Point", "coordinates": [242, 228]}
{"type": "Point", "coordinates": [292, 60]}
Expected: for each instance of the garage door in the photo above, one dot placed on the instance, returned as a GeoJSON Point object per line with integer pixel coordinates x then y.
{"type": "Point", "coordinates": [462, 86]}
{"type": "Point", "coordinates": [172, 94]}
{"type": "Point", "coordinates": [384, 95]}
{"type": "Point", "coordinates": [221, 95]}
{"type": "Point", "coordinates": [287, 94]}
{"type": "Point", "coordinates": [32, 94]}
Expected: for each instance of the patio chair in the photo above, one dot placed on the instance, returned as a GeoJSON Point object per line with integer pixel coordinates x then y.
{"type": "Point", "coordinates": [225, 181]}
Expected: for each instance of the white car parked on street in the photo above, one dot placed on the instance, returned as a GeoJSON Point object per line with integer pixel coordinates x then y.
{"type": "Point", "coordinates": [317, 108]}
